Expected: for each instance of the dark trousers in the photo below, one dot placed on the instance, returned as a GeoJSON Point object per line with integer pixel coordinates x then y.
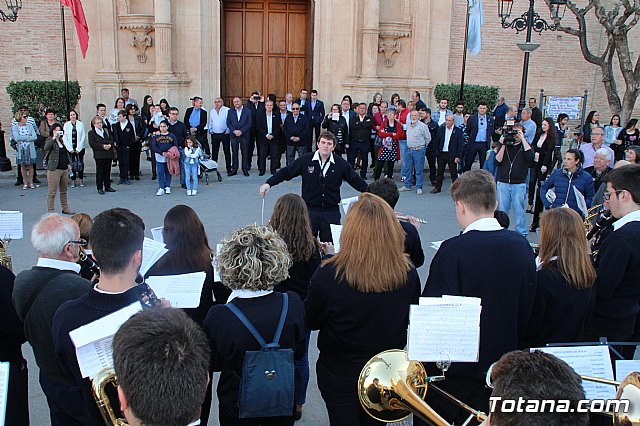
{"type": "Point", "coordinates": [216, 140]}
{"type": "Point", "coordinates": [316, 127]}
{"type": "Point", "coordinates": [535, 181]}
{"type": "Point", "coordinates": [153, 162]}
{"type": "Point", "coordinates": [321, 221]}
{"type": "Point", "coordinates": [389, 169]}
{"type": "Point", "coordinates": [204, 142]}
{"type": "Point", "coordinates": [431, 160]}
{"type": "Point", "coordinates": [268, 148]}
{"type": "Point", "coordinates": [134, 159]}
{"type": "Point", "coordinates": [103, 173]}
{"type": "Point", "coordinates": [479, 149]}
{"type": "Point", "coordinates": [229, 417]}
{"type": "Point", "coordinates": [78, 157]}
{"type": "Point", "coordinates": [240, 143]}
{"type": "Point", "coordinates": [341, 398]}
{"type": "Point", "coordinates": [64, 409]}
{"type": "Point", "coordinates": [17, 413]}
{"type": "Point", "coordinates": [123, 161]}
{"type": "Point", "coordinates": [362, 148]}
{"type": "Point", "coordinates": [443, 161]}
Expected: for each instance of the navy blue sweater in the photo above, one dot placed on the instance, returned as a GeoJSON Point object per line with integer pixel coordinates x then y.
{"type": "Point", "coordinates": [318, 191]}
{"type": "Point", "coordinates": [617, 285]}
{"type": "Point", "coordinates": [76, 313]}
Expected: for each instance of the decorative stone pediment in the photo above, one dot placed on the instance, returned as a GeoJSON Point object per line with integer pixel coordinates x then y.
{"type": "Point", "coordinates": [389, 43]}
{"type": "Point", "coordinates": [140, 26]}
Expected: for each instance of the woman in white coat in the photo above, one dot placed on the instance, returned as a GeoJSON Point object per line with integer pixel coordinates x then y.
{"type": "Point", "coordinates": [75, 140]}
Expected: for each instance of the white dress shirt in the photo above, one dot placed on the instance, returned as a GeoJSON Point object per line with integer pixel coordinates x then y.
{"type": "Point", "coordinates": [484, 224]}
{"type": "Point", "coordinates": [324, 168]}
{"type": "Point", "coordinates": [447, 137]}
{"type": "Point", "coordinates": [247, 294]}
{"type": "Point", "coordinates": [629, 217]}
{"type": "Point", "coordinates": [269, 123]}
{"type": "Point", "coordinates": [218, 120]}
{"type": "Point", "coordinates": [62, 265]}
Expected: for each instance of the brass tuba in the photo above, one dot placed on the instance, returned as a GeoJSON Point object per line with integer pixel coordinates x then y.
{"type": "Point", "coordinates": [628, 389]}
{"type": "Point", "coordinates": [391, 387]}
{"type": "Point", "coordinates": [5, 259]}
{"type": "Point", "coordinates": [98, 387]}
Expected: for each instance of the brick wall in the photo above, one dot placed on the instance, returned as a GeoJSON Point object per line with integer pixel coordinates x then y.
{"type": "Point", "coordinates": [32, 48]}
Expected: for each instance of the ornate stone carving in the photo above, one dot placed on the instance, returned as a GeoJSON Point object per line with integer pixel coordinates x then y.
{"type": "Point", "coordinates": [389, 43]}
{"type": "Point", "coordinates": [140, 26]}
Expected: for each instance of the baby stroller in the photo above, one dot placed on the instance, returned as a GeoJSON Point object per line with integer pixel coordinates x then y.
{"type": "Point", "coordinates": [207, 165]}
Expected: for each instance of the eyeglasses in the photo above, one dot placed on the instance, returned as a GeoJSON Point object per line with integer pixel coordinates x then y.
{"type": "Point", "coordinates": [25, 116]}
{"type": "Point", "coordinates": [81, 242]}
{"type": "Point", "coordinates": [606, 196]}
{"type": "Point", "coordinates": [295, 109]}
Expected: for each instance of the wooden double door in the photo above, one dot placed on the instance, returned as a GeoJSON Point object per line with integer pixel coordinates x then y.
{"type": "Point", "coordinates": [267, 47]}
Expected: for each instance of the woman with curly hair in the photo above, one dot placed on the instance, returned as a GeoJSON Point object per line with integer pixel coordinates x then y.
{"type": "Point", "coordinates": [252, 261]}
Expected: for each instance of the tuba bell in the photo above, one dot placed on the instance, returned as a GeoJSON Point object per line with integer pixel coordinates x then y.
{"type": "Point", "coordinates": [5, 259]}
{"type": "Point", "coordinates": [98, 388]}
{"type": "Point", "coordinates": [629, 390]}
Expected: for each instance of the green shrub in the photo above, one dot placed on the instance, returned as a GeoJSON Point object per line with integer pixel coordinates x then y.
{"type": "Point", "coordinates": [40, 95]}
{"type": "Point", "coordinates": [473, 94]}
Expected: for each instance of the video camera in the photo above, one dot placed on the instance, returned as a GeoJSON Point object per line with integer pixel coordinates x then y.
{"type": "Point", "coordinates": [509, 132]}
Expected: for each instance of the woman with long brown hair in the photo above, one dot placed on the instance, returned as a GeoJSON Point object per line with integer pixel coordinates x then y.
{"type": "Point", "coordinates": [359, 300]}
{"type": "Point", "coordinates": [290, 219]}
{"type": "Point", "coordinates": [565, 278]}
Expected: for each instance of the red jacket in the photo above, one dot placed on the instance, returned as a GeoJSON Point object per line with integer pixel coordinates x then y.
{"type": "Point", "coordinates": [397, 136]}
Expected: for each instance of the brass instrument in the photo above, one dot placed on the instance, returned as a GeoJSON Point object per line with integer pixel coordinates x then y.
{"type": "Point", "coordinates": [405, 218]}
{"type": "Point", "coordinates": [593, 214]}
{"type": "Point", "coordinates": [391, 387]}
{"type": "Point", "coordinates": [5, 258]}
{"type": "Point", "coordinates": [628, 389]}
{"type": "Point", "coordinates": [98, 386]}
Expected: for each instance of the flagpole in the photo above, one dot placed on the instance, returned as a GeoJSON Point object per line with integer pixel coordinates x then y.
{"type": "Point", "coordinates": [64, 53]}
{"type": "Point", "coordinates": [464, 54]}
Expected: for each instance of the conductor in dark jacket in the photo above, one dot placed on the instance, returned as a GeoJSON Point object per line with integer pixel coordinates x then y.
{"type": "Point", "coordinates": [124, 136]}
{"type": "Point", "coordinates": [296, 131]}
{"type": "Point", "coordinates": [480, 130]}
{"type": "Point", "coordinates": [449, 143]}
{"type": "Point", "coordinates": [268, 133]}
{"type": "Point", "coordinates": [239, 122]}
{"type": "Point", "coordinates": [195, 118]}
{"type": "Point", "coordinates": [101, 142]}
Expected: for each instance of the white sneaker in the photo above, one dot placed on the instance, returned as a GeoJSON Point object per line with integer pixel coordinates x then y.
{"type": "Point", "coordinates": [404, 189]}
{"type": "Point", "coordinates": [160, 192]}
{"type": "Point", "coordinates": [188, 192]}
{"type": "Point", "coordinates": [167, 190]}
{"type": "Point", "coordinates": [194, 192]}
{"type": "Point", "coordinates": [419, 191]}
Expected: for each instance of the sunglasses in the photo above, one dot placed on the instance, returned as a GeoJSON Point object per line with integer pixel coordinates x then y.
{"type": "Point", "coordinates": [295, 109]}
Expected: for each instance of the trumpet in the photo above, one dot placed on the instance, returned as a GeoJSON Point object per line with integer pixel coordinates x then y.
{"type": "Point", "coordinates": [405, 218]}
{"type": "Point", "coordinates": [391, 388]}
{"type": "Point", "coordinates": [98, 388]}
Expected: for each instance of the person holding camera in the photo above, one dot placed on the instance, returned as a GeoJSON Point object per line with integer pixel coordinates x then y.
{"type": "Point", "coordinates": [513, 160]}
{"type": "Point", "coordinates": [75, 141]}
{"type": "Point", "coordinates": [57, 159]}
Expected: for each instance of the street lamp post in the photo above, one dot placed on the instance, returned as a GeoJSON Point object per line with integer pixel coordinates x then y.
{"type": "Point", "coordinates": [529, 21]}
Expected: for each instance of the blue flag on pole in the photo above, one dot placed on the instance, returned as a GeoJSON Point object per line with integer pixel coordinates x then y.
{"type": "Point", "coordinates": [474, 39]}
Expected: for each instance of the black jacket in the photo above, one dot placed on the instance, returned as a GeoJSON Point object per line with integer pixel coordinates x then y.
{"type": "Point", "coordinates": [180, 132]}
{"type": "Point", "coordinates": [514, 167]}
{"type": "Point", "coordinates": [456, 142]}
{"type": "Point", "coordinates": [335, 126]}
{"type": "Point", "coordinates": [96, 141]}
{"type": "Point", "coordinates": [123, 138]}
{"type": "Point", "coordinates": [316, 114]}
{"type": "Point", "coordinates": [203, 121]}
{"type": "Point", "coordinates": [299, 128]}
{"type": "Point", "coordinates": [261, 126]}
{"type": "Point", "coordinates": [360, 130]}
{"type": "Point", "coordinates": [472, 128]}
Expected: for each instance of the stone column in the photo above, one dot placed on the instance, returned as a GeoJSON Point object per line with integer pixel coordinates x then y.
{"type": "Point", "coordinates": [421, 24]}
{"type": "Point", "coordinates": [163, 26]}
{"type": "Point", "coordinates": [370, 32]}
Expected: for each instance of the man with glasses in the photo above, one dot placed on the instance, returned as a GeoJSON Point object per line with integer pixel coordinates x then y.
{"type": "Point", "coordinates": [617, 286]}
{"type": "Point", "coordinates": [597, 142]}
{"type": "Point", "coordinates": [296, 131]}
{"type": "Point", "coordinates": [479, 127]}
{"type": "Point", "coordinates": [37, 294]}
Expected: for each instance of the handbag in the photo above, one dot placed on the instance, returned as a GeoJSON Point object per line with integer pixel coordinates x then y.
{"type": "Point", "coordinates": [77, 166]}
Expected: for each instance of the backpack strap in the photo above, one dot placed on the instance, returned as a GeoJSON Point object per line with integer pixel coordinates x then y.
{"type": "Point", "coordinates": [42, 283]}
{"type": "Point", "coordinates": [283, 315]}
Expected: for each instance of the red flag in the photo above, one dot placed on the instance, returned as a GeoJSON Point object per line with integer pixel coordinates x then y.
{"type": "Point", "coordinates": [82, 29]}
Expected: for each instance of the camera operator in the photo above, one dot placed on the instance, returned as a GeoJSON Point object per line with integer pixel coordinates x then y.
{"type": "Point", "coordinates": [513, 161]}
{"type": "Point", "coordinates": [58, 162]}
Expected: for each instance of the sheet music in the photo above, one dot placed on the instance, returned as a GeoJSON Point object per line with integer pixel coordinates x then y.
{"type": "Point", "coordinates": [93, 340]}
{"type": "Point", "coordinates": [626, 366]}
{"type": "Point", "coordinates": [216, 271]}
{"type": "Point", "coordinates": [336, 232]}
{"type": "Point", "coordinates": [11, 225]}
{"type": "Point", "coordinates": [151, 252]}
{"type": "Point", "coordinates": [183, 291]}
{"type": "Point", "coordinates": [156, 233]}
{"type": "Point", "coordinates": [346, 203]}
{"type": "Point", "coordinates": [441, 329]}
{"type": "Point", "coordinates": [582, 203]}
{"type": "Point", "coordinates": [4, 390]}
{"type": "Point", "coordinates": [588, 361]}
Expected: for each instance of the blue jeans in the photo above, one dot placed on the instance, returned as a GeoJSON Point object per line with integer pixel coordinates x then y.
{"type": "Point", "coordinates": [164, 177]}
{"type": "Point", "coordinates": [191, 171]}
{"type": "Point", "coordinates": [291, 152]}
{"type": "Point", "coordinates": [415, 159]}
{"type": "Point", "coordinates": [302, 373]}
{"type": "Point", "coordinates": [182, 160]}
{"type": "Point", "coordinates": [403, 160]}
{"type": "Point", "coordinates": [515, 194]}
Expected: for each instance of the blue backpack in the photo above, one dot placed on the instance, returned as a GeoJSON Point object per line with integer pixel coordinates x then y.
{"type": "Point", "coordinates": [267, 383]}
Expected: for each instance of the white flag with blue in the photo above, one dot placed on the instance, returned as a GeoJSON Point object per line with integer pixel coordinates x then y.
{"type": "Point", "coordinates": [474, 39]}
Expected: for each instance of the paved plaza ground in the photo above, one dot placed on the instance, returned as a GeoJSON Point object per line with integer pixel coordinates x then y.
{"type": "Point", "coordinates": [222, 207]}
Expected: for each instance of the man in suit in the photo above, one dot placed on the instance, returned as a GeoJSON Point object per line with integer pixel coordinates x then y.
{"type": "Point", "coordinates": [303, 101]}
{"type": "Point", "coordinates": [268, 131]}
{"type": "Point", "coordinates": [479, 128]}
{"type": "Point", "coordinates": [449, 142]}
{"type": "Point", "coordinates": [347, 112]}
{"type": "Point", "coordinates": [239, 124]}
{"type": "Point", "coordinates": [196, 120]}
{"type": "Point", "coordinates": [254, 104]}
{"type": "Point", "coordinates": [296, 132]}
{"type": "Point", "coordinates": [316, 113]}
